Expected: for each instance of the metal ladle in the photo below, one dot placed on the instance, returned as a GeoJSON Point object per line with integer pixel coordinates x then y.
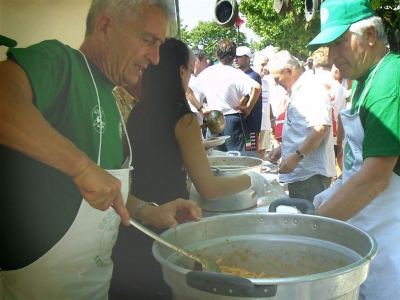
{"type": "Point", "coordinates": [206, 264]}
{"type": "Point", "coordinates": [215, 122]}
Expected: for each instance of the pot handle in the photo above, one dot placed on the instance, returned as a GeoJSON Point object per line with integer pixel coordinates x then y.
{"type": "Point", "coordinates": [216, 170]}
{"type": "Point", "coordinates": [228, 285]}
{"type": "Point", "coordinates": [305, 206]}
{"type": "Point", "coordinates": [233, 153]}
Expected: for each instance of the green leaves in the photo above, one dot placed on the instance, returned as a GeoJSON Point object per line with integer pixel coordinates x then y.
{"type": "Point", "coordinates": [375, 4]}
{"type": "Point", "coordinates": [284, 32]}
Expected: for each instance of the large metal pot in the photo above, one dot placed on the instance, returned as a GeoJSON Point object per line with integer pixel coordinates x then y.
{"type": "Point", "coordinates": [229, 166]}
{"type": "Point", "coordinates": [314, 257]}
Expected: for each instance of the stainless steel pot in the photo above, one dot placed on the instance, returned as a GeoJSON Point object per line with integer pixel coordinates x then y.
{"type": "Point", "coordinates": [230, 166]}
{"type": "Point", "coordinates": [313, 257]}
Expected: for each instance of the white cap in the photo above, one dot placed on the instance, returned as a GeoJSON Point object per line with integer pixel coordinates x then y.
{"type": "Point", "coordinates": [243, 50]}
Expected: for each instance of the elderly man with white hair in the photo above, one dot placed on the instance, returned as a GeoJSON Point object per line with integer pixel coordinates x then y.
{"type": "Point", "coordinates": [61, 152]}
{"type": "Point", "coordinates": [307, 152]}
{"type": "Point", "coordinates": [368, 193]}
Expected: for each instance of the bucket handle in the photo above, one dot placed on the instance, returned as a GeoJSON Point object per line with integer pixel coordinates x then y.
{"type": "Point", "coordinates": [305, 206]}
{"type": "Point", "coordinates": [228, 285]}
{"type": "Point", "coordinates": [233, 153]}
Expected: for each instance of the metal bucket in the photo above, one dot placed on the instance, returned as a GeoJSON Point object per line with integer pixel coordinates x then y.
{"type": "Point", "coordinates": [230, 166]}
{"type": "Point", "coordinates": [303, 256]}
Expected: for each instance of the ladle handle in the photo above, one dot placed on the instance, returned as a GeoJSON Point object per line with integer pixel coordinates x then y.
{"type": "Point", "coordinates": [159, 239]}
{"type": "Point", "coordinates": [155, 236]}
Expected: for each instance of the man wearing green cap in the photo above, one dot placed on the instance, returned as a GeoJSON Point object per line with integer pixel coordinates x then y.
{"type": "Point", "coordinates": [367, 195]}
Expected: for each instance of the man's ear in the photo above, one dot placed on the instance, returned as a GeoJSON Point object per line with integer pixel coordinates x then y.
{"type": "Point", "coordinates": [102, 27]}
{"type": "Point", "coordinates": [371, 35]}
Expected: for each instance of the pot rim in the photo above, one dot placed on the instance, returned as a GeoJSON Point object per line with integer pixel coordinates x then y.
{"type": "Point", "coordinates": [361, 263]}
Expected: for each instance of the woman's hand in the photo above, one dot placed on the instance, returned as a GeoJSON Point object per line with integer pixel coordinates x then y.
{"type": "Point", "coordinates": [171, 213]}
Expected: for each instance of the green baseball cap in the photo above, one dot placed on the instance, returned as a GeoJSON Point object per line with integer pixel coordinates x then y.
{"type": "Point", "coordinates": [336, 18]}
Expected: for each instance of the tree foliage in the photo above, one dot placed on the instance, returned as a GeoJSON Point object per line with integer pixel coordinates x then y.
{"type": "Point", "coordinates": [209, 34]}
{"type": "Point", "coordinates": [386, 9]}
{"type": "Point", "coordinates": [293, 33]}
{"type": "Point", "coordinates": [285, 32]}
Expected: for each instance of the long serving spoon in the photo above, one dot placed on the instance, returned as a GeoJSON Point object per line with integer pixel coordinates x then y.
{"type": "Point", "coordinates": [216, 122]}
{"type": "Point", "coordinates": [205, 263]}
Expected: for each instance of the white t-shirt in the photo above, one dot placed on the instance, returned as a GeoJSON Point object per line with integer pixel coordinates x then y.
{"type": "Point", "coordinates": [339, 101]}
{"type": "Point", "coordinates": [198, 96]}
{"type": "Point", "coordinates": [309, 106]}
{"type": "Point", "coordinates": [266, 106]}
{"type": "Point", "coordinates": [336, 92]}
{"type": "Point", "coordinates": [223, 86]}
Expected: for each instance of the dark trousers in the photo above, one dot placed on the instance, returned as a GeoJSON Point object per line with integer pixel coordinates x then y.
{"type": "Point", "coordinates": [309, 188]}
{"type": "Point", "coordinates": [137, 275]}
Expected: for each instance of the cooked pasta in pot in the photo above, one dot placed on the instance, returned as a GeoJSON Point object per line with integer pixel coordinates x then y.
{"type": "Point", "coordinates": [238, 271]}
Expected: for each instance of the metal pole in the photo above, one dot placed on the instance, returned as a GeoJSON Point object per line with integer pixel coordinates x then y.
{"type": "Point", "coordinates": [178, 19]}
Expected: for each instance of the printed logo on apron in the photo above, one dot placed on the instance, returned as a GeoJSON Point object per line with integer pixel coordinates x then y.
{"type": "Point", "coordinates": [99, 119]}
{"type": "Point", "coordinates": [109, 228]}
{"type": "Point", "coordinates": [350, 152]}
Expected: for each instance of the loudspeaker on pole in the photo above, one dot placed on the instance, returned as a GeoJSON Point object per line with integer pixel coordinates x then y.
{"type": "Point", "coordinates": [226, 12]}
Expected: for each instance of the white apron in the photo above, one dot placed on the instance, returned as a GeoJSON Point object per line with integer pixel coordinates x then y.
{"type": "Point", "coordinates": [79, 266]}
{"type": "Point", "coordinates": [380, 218]}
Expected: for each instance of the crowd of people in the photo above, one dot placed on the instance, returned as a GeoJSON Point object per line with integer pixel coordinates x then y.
{"type": "Point", "coordinates": [75, 142]}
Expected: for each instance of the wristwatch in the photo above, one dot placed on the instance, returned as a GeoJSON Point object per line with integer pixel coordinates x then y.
{"type": "Point", "coordinates": [301, 155]}
{"type": "Point", "coordinates": [202, 106]}
{"type": "Point", "coordinates": [139, 209]}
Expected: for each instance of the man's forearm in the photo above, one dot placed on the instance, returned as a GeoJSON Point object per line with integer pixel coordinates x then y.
{"type": "Point", "coordinates": [354, 195]}
{"type": "Point", "coordinates": [314, 138]}
{"type": "Point", "coordinates": [244, 100]}
{"type": "Point", "coordinates": [24, 128]}
{"type": "Point", "coordinates": [192, 99]}
{"type": "Point", "coordinates": [255, 93]}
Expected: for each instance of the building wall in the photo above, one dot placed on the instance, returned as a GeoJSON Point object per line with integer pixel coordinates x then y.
{"type": "Point", "coordinates": [31, 21]}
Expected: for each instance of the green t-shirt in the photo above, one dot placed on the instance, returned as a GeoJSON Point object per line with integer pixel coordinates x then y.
{"type": "Point", "coordinates": [40, 203]}
{"type": "Point", "coordinates": [380, 110]}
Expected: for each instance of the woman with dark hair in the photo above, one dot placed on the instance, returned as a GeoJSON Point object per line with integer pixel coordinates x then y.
{"type": "Point", "coordinates": [166, 146]}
